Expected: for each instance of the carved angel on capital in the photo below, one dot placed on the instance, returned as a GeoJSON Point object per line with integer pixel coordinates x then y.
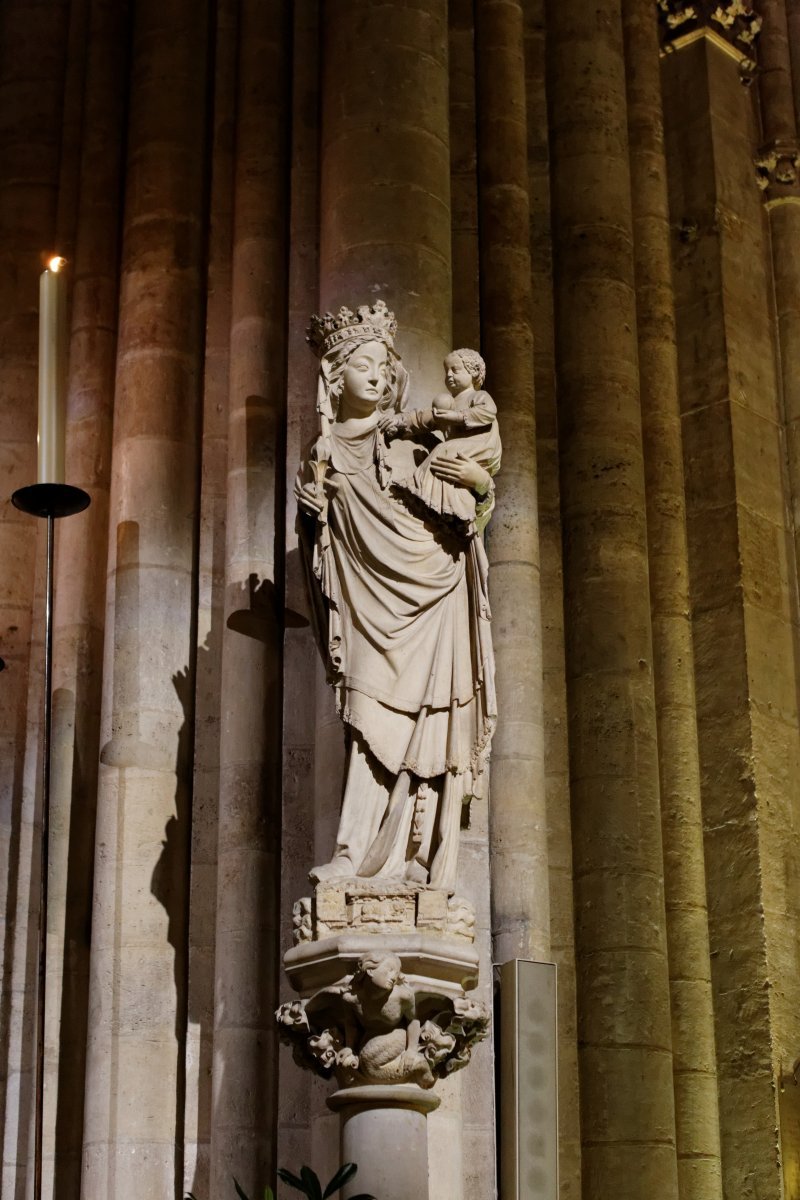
{"type": "Point", "coordinates": [372, 1027]}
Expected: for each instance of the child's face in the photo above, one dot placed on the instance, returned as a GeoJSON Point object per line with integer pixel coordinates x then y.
{"type": "Point", "coordinates": [456, 375]}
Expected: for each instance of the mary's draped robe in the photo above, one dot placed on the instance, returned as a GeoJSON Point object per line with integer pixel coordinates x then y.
{"type": "Point", "coordinates": [405, 626]}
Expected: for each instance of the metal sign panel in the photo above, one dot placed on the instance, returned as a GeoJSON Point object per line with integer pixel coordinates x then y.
{"type": "Point", "coordinates": [528, 1081]}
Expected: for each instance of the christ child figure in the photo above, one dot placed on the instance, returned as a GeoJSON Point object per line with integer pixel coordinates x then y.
{"type": "Point", "coordinates": [465, 419]}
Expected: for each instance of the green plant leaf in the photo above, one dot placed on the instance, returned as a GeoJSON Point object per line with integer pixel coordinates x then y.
{"type": "Point", "coordinates": [340, 1179]}
{"type": "Point", "coordinates": [363, 1196]}
{"type": "Point", "coordinates": [268, 1193]}
{"type": "Point", "coordinates": [313, 1185]}
{"type": "Point", "coordinates": [292, 1180]}
{"type": "Point", "coordinates": [239, 1192]}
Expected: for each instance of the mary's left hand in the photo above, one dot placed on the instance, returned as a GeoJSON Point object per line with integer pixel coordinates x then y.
{"type": "Point", "coordinates": [463, 472]}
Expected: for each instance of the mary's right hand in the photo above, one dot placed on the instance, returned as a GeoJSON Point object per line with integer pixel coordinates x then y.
{"type": "Point", "coordinates": [308, 499]}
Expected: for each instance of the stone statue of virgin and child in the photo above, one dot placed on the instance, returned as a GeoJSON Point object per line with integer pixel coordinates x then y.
{"type": "Point", "coordinates": [393, 501]}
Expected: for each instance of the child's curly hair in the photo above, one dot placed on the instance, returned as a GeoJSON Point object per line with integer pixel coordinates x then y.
{"type": "Point", "coordinates": [474, 364]}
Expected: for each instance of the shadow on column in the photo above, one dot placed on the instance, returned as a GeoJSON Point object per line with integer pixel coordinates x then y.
{"type": "Point", "coordinates": [82, 713]}
{"type": "Point", "coordinates": [253, 616]}
{"type": "Point", "coordinates": [170, 886]}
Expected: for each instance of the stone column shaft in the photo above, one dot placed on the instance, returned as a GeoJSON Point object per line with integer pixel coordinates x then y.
{"type": "Point", "coordinates": [386, 173]}
{"type": "Point", "coordinates": [554, 684]}
{"type": "Point", "coordinates": [303, 1112]}
{"type": "Point", "coordinates": [310, 807]}
{"type": "Point", "coordinates": [209, 698]}
{"type": "Point", "coordinates": [782, 195]}
{"type": "Point", "coordinates": [137, 989]}
{"type": "Point", "coordinates": [32, 65]}
{"type": "Point", "coordinates": [744, 652]}
{"type": "Point", "coordinates": [247, 951]}
{"type": "Point", "coordinates": [22, 954]}
{"type": "Point", "coordinates": [72, 128]}
{"type": "Point", "coordinates": [793, 33]}
{"type": "Point", "coordinates": [80, 588]}
{"type": "Point", "coordinates": [694, 1061]}
{"type": "Point", "coordinates": [386, 233]}
{"type": "Point", "coordinates": [779, 122]}
{"type": "Point", "coordinates": [477, 1148]}
{"type": "Point", "coordinates": [464, 175]}
{"type": "Point", "coordinates": [518, 823]}
{"type": "Point", "coordinates": [386, 1136]}
{"type": "Point", "coordinates": [775, 84]}
{"type": "Point", "coordinates": [624, 1036]}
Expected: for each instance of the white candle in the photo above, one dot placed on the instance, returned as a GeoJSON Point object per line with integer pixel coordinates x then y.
{"type": "Point", "coordinates": [52, 371]}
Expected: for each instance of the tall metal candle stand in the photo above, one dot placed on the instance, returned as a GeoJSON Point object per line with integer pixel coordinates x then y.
{"type": "Point", "coordinates": [49, 500]}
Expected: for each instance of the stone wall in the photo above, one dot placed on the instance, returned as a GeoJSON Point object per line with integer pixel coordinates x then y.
{"type": "Point", "coordinates": [602, 198]}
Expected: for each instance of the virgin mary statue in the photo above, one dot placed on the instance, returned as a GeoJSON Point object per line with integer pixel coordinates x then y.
{"type": "Point", "coordinates": [402, 616]}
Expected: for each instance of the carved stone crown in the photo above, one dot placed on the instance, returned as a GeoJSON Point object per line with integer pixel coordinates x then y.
{"type": "Point", "coordinates": [371, 321]}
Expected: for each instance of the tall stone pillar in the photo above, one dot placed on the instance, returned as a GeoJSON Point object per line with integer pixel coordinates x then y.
{"type": "Point", "coordinates": [386, 232]}
{"type": "Point", "coordinates": [304, 1118]}
{"type": "Point", "coordinates": [554, 683]}
{"type": "Point", "coordinates": [464, 175]}
{"type": "Point", "coordinates": [385, 188]}
{"type": "Point", "coordinates": [518, 819]}
{"type": "Point", "coordinates": [209, 699]}
{"type": "Point", "coordinates": [476, 1144]}
{"type": "Point", "coordinates": [778, 166]}
{"type": "Point", "coordinates": [386, 236]}
{"type": "Point", "coordinates": [137, 989]}
{"type": "Point", "coordinates": [246, 957]}
{"type": "Point", "coordinates": [694, 1059]}
{"type": "Point", "coordinates": [624, 1036]}
{"type": "Point", "coordinates": [80, 592]}
{"type": "Point", "coordinates": [32, 65]}
{"type": "Point", "coordinates": [741, 586]}
{"type": "Point", "coordinates": [31, 59]}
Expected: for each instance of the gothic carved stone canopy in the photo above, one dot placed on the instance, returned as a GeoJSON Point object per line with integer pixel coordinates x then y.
{"type": "Point", "coordinates": [733, 22]}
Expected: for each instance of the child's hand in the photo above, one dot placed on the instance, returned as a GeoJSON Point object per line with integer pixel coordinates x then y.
{"type": "Point", "coordinates": [447, 420]}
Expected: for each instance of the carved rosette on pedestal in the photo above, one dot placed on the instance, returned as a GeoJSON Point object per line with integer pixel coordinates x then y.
{"type": "Point", "coordinates": [382, 970]}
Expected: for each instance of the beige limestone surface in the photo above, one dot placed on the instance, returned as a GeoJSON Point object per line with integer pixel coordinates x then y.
{"type": "Point", "coordinates": [420, 138]}
{"type": "Point", "coordinates": [691, 1004]}
{"type": "Point", "coordinates": [743, 596]}
{"type": "Point", "coordinates": [628, 1134]}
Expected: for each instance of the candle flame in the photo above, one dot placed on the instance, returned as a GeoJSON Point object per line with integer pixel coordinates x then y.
{"type": "Point", "coordinates": [56, 263]}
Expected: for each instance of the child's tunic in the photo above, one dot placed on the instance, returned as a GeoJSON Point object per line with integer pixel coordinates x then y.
{"type": "Point", "coordinates": [477, 439]}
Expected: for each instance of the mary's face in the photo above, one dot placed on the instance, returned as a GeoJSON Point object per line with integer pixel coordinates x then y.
{"type": "Point", "coordinates": [364, 379]}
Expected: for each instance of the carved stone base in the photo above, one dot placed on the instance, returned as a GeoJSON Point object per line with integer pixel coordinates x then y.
{"type": "Point", "coordinates": [448, 966]}
{"type": "Point", "coordinates": [378, 906]}
{"type": "Point", "coordinates": [382, 968]}
{"type": "Point", "coordinates": [383, 1010]}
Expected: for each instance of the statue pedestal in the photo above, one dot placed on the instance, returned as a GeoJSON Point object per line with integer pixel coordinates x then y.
{"type": "Point", "coordinates": [384, 1131]}
{"type": "Point", "coordinates": [446, 966]}
{"type": "Point", "coordinates": [382, 970]}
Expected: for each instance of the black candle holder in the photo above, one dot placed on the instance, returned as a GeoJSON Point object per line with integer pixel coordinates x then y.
{"type": "Point", "coordinates": [51, 501]}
